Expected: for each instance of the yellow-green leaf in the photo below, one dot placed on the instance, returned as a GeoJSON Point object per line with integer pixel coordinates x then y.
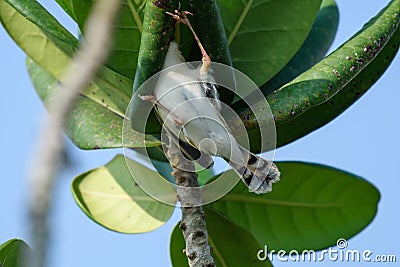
{"type": "Point", "coordinates": [109, 196]}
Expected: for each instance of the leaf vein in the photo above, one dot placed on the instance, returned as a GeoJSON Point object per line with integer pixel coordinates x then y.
{"type": "Point", "coordinates": [240, 21]}
{"type": "Point", "coordinates": [258, 31]}
{"type": "Point", "coordinates": [246, 199]}
{"type": "Point", "coordinates": [136, 16]}
{"type": "Point", "coordinates": [259, 4]}
{"type": "Point", "coordinates": [216, 251]}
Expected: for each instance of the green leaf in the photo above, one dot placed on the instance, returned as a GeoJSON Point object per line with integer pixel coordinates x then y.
{"type": "Point", "coordinates": [345, 74]}
{"type": "Point", "coordinates": [45, 40]}
{"type": "Point", "coordinates": [264, 35]}
{"type": "Point", "coordinates": [243, 23]}
{"type": "Point", "coordinates": [90, 125]}
{"type": "Point", "coordinates": [208, 25]}
{"type": "Point", "coordinates": [127, 32]}
{"type": "Point", "coordinates": [314, 48]}
{"type": "Point", "coordinates": [109, 196]}
{"type": "Point", "coordinates": [253, 25]}
{"type": "Point", "coordinates": [231, 245]}
{"type": "Point", "coordinates": [320, 115]}
{"type": "Point", "coordinates": [99, 120]}
{"type": "Point", "coordinates": [310, 208]}
{"type": "Point", "coordinates": [13, 252]}
{"type": "Point", "coordinates": [47, 43]}
{"type": "Point", "coordinates": [158, 30]}
{"type": "Point", "coordinates": [334, 72]}
{"type": "Point", "coordinates": [206, 16]}
{"type": "Point", "coordinates": [164, 168]}
{"type": "Point", "coordinates": [204, 175]}
{"type": "Point", "coordinates": [32, 39]}
{"type": "Point", "coordinates": [36, 14]}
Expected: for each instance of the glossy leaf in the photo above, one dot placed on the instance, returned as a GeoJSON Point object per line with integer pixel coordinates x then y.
{"type": "Point", "coordinates": [254, 25]}
{"type": "Point", "coordinates": [257, 24]}
{"type": "Point", "coordinates": [310, 208]}
{"type": "Point", "coordinates": [206, 16]}
{"type": "Point", "coordinates": [46, 42]}
{"type": "Point", "coordinates": [13, 253]}
{"type": "Point", "coordinates": [332, 75]}
{"type": "Point", "coordinates": [164, 168]}
{"type": "Point", "coordinates": [320, 115]}
{"type": "Point", "coordinates": [127, 33]}
{"type": "Point", "coordinates": [32, 39]}
{"type": "Point", "coordinates": [231, 245]}
{"type": "Point", "coordinates": [51, 47]}
{"type": "Point", "coordinates": [90, 125]}
{"type": "Point", "coordinates": [264, 35]}
{"type": "Point", "coordinates": [158, 30]}
{"type": "Point", "coordinates": [109, 196]}
{"type": "Point", "coordinates": [313, 49]}
{"type": "Point", "coordinates": [39, 16]}
{"type": "Point", "coordinates": [368, 54]}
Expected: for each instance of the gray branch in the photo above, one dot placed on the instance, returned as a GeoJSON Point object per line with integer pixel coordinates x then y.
{"type": "Point", "coordinates": [91, 55]}
{"type": "Point", "coordinates": [193, 223]}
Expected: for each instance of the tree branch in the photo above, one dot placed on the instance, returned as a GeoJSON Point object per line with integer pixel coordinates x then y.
{"type": "Point", "coordinates": [193, 223]}
{"type": "Point", "coordinates": [93, 52]}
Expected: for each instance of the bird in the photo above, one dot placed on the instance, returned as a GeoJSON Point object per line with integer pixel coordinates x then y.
{"type": "Point", "coordinates": [186, 101]}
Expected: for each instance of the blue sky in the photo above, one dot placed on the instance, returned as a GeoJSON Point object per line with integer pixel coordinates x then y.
{"type": "Point", "coordinates": [363, 140]}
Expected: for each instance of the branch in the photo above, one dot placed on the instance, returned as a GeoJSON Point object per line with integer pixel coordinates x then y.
{"type": "Point", "coordinates": [193, 223]}
{"type": "Point", "coordinates": [93, 52]}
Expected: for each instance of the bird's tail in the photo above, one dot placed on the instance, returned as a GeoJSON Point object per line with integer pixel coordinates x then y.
{"type": "Point", "coordinates": [259, 174]}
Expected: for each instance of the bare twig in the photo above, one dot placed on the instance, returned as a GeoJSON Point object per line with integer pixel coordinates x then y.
{"type": "Point", "coordinates": [93, 52]}
{"type": "Point", "coordinates": [193, 223]}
